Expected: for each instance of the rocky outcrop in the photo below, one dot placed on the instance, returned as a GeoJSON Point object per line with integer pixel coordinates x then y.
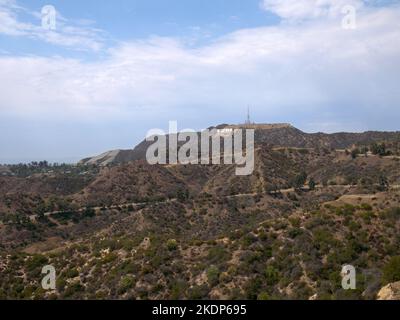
{"type": "Point", "coordinates": [112, 157]}
{"type": "Point", "coordinates": [390, 292]}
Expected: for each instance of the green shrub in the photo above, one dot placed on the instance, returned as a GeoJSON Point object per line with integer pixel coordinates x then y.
{"type": "Point", "coordinates": [73, 289]}
{"type": "Point", "coordinates": [366, 206]}
{"type": "Point", "coordinates": [198, 292]}
{"type": "Point", "coordinates": [263, 296]}
{"type": "Point", "coordinates": [271, 275]}
{"type": "Point", "coordinates": [217, 254]}
{"type": "Point", "coordinates": [252, 288]}
{"type": "Point", "coordinates": [126, 283]}
{"type": "Point", "coordinates": [172, 245]}
{"type": "Point", "coordinates": [178, 289]}
{"type": "Point", "coordinates": [37, 261]}
{"type": "Point", "coordinates": [72, 273]}
{"type": "Point", "coordinates": [213, 275]}
{"type": "Point", "coordinates": [391, 271]}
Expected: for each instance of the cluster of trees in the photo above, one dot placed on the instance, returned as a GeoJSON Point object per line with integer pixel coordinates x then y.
{"type": "Point", "coordinates": [27, 169]}
{"type": "Point", "coordinates": [297, 183]}
{"type": "Point", "coordinates": [379, 149]}
{"type": "Point", "coordinates": [36, 164]}
{"type": "Point", "coordinates": [300, 180]}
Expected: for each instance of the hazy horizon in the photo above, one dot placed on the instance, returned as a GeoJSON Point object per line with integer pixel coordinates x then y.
{"type": "Point", "coordinates": [74, 159]}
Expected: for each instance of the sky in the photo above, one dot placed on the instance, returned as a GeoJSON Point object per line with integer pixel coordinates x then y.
{"type": "Point", "coordinates": [108, 71]}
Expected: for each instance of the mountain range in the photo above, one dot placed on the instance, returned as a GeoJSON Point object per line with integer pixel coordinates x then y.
{"type": "Point", "coordinates": [274, 135]}
{"type": "Point", "coordinates": [116, 227]}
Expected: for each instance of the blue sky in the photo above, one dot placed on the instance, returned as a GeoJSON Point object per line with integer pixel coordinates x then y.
{"type": "Point", "coordinates": [124, 20]}
{"type": "Point", "coordinates": [112, 70]}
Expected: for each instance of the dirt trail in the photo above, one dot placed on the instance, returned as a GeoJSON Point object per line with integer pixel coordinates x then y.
{"type": "Point", "coordinates": [282, 191]}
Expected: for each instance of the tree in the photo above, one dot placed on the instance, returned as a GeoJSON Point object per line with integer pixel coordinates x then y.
{"type": "Point", "coordinates": [299, 180]}
{"type": "Point", "coordinates": [383, 183]}
{"type": "Point", "coordinates": [182, 195]}
{"type": "Point", "coordinates": [312, 184]}
{"type": "Point", "coordinates": [378, 149]}
{"type": "Point", "coordinates": [354, 153]}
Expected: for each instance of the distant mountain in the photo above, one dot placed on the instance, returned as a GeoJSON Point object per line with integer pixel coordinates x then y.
{"type": "Point", "coordinates": [276, 135]}
{"type": "Point", "coordinates": [295, 138]}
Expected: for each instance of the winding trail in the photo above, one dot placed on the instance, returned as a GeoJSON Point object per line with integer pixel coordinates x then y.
{"type": "Point", "coordinates": [137, 204]}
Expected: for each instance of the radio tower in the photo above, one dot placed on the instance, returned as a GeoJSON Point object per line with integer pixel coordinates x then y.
{"type": "Point", "coordinates": [248, 121]}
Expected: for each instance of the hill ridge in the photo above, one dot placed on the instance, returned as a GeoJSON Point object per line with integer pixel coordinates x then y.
{"type": "Point", "coordinates": [275, 134]}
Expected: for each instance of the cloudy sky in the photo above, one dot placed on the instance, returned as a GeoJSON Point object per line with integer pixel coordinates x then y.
{"type": "Point", "coordinates": [112, 70]}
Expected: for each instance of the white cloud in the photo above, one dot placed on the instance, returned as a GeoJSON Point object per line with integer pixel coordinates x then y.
{"type": "Point", "coordinates": [315, 69]}
{"type": "Point", "coordinates": [308, 9]}
{"type": "Point", "coordinates": [67, 34]}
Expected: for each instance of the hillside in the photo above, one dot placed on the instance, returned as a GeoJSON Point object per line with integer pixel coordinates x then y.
{"type": "Point", "coordinates": [277, 135]}
{"type": "Point", "coordinates": [130, 230]}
